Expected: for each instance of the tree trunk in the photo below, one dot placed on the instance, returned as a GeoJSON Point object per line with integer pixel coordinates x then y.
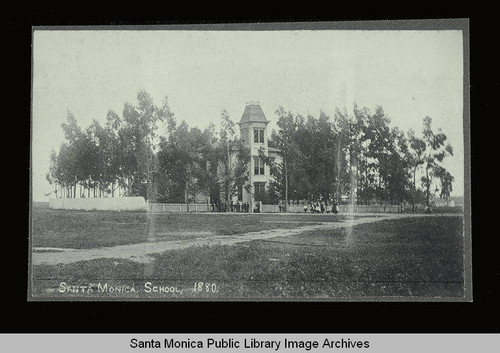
{"type": "Point", "coordinates": [228, 198]}
{"type": "Point", "coordinates": [414, 189]}
{"type": "Point", "coordinates": [427, 182]}
{"type": "Point", "coordinates": [339, 167]}
{"type": "Point", "coordinates": [228, 171]}
{"type": "Point", "coordinates": [286, 185]}
{"type": "Point", "coordinates": [354, 174]}
{"type": "Point", "coordinates": [186, 197]}
{"type": "Point", "coordinates": [428, 186]}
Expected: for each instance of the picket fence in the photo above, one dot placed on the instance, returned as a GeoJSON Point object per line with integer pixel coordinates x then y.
{"type": "Point", "coordinates": [178, 207]}
{"type": "Point", "coordinates": [203, 207]}
{"type": "Point", "coordinates": [341, 208]}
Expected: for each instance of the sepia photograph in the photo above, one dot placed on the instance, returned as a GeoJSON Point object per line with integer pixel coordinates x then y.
{"type": "Point", "coordinates": [301, 161]}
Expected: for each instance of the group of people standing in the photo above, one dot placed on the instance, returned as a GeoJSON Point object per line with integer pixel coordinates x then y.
{"type": "Point", "coordinates": [311, 207]}
{"type": "Point", "coordinates": [320, 207]}
{"type": "Point", "coordinates": [232, 207]}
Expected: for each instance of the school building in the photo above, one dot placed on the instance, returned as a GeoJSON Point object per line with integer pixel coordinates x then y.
{"type": "Point", "coordinates": [254, 135]}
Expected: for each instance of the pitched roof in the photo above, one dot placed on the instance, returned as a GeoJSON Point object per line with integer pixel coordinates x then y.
{"type": "Point", "coordinates": [253, 113]}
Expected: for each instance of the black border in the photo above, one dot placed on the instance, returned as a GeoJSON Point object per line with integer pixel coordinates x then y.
{"type": "Point", "coordinates": [231, 317]}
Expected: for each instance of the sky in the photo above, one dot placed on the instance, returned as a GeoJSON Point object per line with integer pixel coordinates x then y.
{"type": "Point", "coordinates": [411, 74]}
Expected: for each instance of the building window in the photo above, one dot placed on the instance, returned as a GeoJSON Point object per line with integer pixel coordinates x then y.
{"type": "Point", "coordinates": [259, 190]}
{"type": "Point", "coordinates": [258, 166]}
{"type": "Point", "coordinates": [258, 135]}
{"type": "Point", "coordinates": [240, 193]}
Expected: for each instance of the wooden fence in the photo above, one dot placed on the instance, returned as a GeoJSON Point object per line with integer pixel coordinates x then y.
{"type": "Point", "coordinates": [342, 209]}
{"type": "Point", "coordinates": [369, 209]}
{"type": "Point", "coordinates": [203, 207]}
{"type": "Point", "coordinates": [178, 207]}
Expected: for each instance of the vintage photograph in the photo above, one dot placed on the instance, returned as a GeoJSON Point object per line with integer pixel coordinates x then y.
{"type": "Point", "coordinates": [253, 162]}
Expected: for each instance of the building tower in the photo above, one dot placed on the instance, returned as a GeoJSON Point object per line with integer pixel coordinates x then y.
{"type": "Point", "coordinates": [253, 134]}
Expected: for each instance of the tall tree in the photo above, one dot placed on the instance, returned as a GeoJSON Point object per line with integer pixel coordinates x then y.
{"type": "Point", "coordinates": [446, 182]}
{"type": "Point", "coordinates": [206, 173]}
{"type": "Point", "coordinates": [139, 141]}
{"type": "Point", "coordinates": [396, 170]}
{"type": "Point", "coordinates": [178, 158]}
{"type": "Point", "coordinates": [70, 158]}
{"type": "Point", "coordinates": [436, 151]}
{"type": "Point", "coordinates": [318, 146]}
{"type": "Point", "coordinates": [234, 159]}
{"type": "Point", "coordinates": [416, 155]}
{"type": "Point", "coordinates": [286, 141]}
{"type": "Point", "coordinates": [51, 175]}
{"type": "Point", "coordinates": [113, 174]}
{"type": "Point", "coordinates": [349, 154]}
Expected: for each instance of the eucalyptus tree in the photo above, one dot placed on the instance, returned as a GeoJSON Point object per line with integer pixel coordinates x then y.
{"type": "Point", "coordinates": [415, 157]}
{"type": "Point", "coordinates": [349, 153]}
{"type": "Point", "coordinates": [275, 191]}
{"type": "Point", "coordinates": [208, 180]}
{"type": "Point", "coordinates": [70, 157]}
{"type": "Point", "coordinates": [381, 151]}
{"type": "Point", "coordinates": [445, 182]}
{"type": "Point", "coordinates": [234, 159]}
{"type": "Point", "coordinates": [366, 166]}
{"type": "Point", "coordinates": [176, 157]}
{"type": "Point", "coordinates": [396, 169]}
{"type": "Point", "coordinates": [105, 154]}
{"type": "Point", "coordinates": [139, 140]}
{"type": "Point", "coordinates": [435, 152]}
{"type": "Point", "coordinates": [92, 155]}
{"type": "Point", "coordinates": [287, 141]}
{"type": "Point", "coordinates": [113, 173]}
{"type": "Point", "coordinates": [66, 168]}
{"type": "Point", "coordinates": [51, 176]}
{"type": "Point", "coordinates": [120, 154]}
{"type": "Point", "coordinates": [318, 146]}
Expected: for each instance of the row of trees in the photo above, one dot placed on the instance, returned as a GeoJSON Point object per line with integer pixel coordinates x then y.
{"type": "Point", "coordinates": [145, 152]}
{"type": "Point", "coordinates": [192, 162]}
{"type": "Point", "coordinates": [106, 159]}
{"type": "Point", "coordinates": [358, 155]}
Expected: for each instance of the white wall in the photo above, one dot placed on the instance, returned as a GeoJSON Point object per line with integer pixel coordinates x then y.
{"type": "Point", "coordinates": [100, 204]}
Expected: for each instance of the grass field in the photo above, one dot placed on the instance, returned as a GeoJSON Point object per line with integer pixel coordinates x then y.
{"type": "Point", "coordinates": [82, 229]}
{"type": "Point", "coordinates": [409, 257]}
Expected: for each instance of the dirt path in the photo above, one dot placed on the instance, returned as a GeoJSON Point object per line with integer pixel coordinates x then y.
{"type": "Point", "coordinates": [142, 252]}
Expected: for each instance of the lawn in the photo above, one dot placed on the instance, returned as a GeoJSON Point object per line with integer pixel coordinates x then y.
{"type": "Point", "coordinates": [419, 257]}
{"type": "Point", "coordinates": [84, 229]}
